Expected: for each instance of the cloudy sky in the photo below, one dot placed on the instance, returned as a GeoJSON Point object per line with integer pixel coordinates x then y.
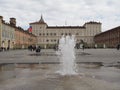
{"type": "Point", "coordinates": [62, 12]}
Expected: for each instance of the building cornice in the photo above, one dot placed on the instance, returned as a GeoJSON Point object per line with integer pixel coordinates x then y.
{"type": "Point", "coordinates": [66, 27]}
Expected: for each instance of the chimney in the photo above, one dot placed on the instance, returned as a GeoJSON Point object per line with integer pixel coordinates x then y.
{"type": "Point", "coordinates": [13, 21]}
{"type": "Point", "coordinates": [1, 18]}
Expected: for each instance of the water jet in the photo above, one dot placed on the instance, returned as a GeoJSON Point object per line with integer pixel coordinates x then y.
{"type": "Point", "coordinates": [66, 50]}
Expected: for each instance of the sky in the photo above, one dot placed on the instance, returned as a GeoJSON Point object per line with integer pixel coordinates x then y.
{"type": "Point", "coordinates": [62, 12]}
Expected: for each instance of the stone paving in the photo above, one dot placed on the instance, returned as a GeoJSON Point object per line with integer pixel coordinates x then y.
{"type": "Point", "coordinates": [88, 55]}
{"type": "Point", "coordinates": [47, 79]}
{"type": "Point", "coordinates": [43, 77]}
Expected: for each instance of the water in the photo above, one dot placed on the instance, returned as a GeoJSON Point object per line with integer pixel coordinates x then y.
{"type": "Point", "coordinates": [67, 55]}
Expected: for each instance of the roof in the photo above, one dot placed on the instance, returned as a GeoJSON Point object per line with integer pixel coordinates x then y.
{"type": "Point", "coordinates": [92, 22]}
{"type": "Point", "coordinates": [71, 27]}
{"type": "Point", "coordinates": [41, 21]}
{"type": "Point", "coordinates": [8, 24]}
{"type": "Point", "coordinates": [108, 30]}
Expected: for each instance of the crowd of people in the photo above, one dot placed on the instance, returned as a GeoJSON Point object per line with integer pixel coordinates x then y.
{"type": "Point", "coordinates": [34, 48]}
{"type": "Point", "coordinates": [38, 48]}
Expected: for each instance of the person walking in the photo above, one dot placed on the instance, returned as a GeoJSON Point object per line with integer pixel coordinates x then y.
{"type": "Point", "coordinates": [38, 49]}
{"type": "Point", "coordinates": [118, 47]}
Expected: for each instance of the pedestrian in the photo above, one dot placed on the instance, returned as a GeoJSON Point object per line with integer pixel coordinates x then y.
{"type": "Point", "coordinates": [38, 49]}
{"type": "Point", "coordinates": [30, 47]}
{"type": "Point", "coordinates": [95, 46]}
{"type": "Point", "coordinates": [34, 48]}
{"type": "Point", "coordinates": [83, 47]}
{"type": "Point", "coordinates": [118, 47]}
{"type": "Point", "coordinates": [8, 48]}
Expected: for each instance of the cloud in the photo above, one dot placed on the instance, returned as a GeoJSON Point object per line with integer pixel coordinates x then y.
{"type": "Point", "coordinates": [57, 12]}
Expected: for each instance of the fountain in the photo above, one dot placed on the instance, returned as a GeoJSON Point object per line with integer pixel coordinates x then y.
{"type": "Point", "coordinates": [67, 55]}
{"type": "Point", "coordinates": [42, 76]}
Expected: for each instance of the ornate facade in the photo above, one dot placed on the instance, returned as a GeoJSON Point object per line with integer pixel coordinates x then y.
{"type": "Point", "coordinates": [48, 36]}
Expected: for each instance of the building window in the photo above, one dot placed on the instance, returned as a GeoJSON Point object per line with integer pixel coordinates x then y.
{"type": "Point", "coordinates": [3, 34]}
{"type": "Point", "coordinates": [77, 40]}
{"type": "Point", "coordinates": [61, 33]}
{"type": "Point", "coordinates": [47, 40]}
{"type": "Point", "coordinates": [43, 34]}
{"type": "Point", "coordinates": [47, 34]}
{"type": "Point", "coordinates": [51, 34]}
{"type": "Point", "coordinates": [55, 40]}
{"type": "Point", "coordinates": [39, 34]}
{"type": "Point", "coordinates": [70, 34]}
{"type": "Point", "coordinates": [55, 34]}
{"type": "Point", "coordinates": [77, 33]}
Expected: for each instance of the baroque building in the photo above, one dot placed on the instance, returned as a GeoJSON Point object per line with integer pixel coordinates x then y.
{"type": "Point", "coordinates": [48, 36]}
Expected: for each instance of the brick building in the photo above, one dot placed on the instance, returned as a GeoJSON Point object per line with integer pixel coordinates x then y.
{"type": "Point", "coordinates": [110, 38]}
{"type": "Point", "coordinates": [23, 38]}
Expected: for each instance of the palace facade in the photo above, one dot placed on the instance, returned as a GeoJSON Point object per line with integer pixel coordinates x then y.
{"type": "Point", "coordinates": [48, 36]}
